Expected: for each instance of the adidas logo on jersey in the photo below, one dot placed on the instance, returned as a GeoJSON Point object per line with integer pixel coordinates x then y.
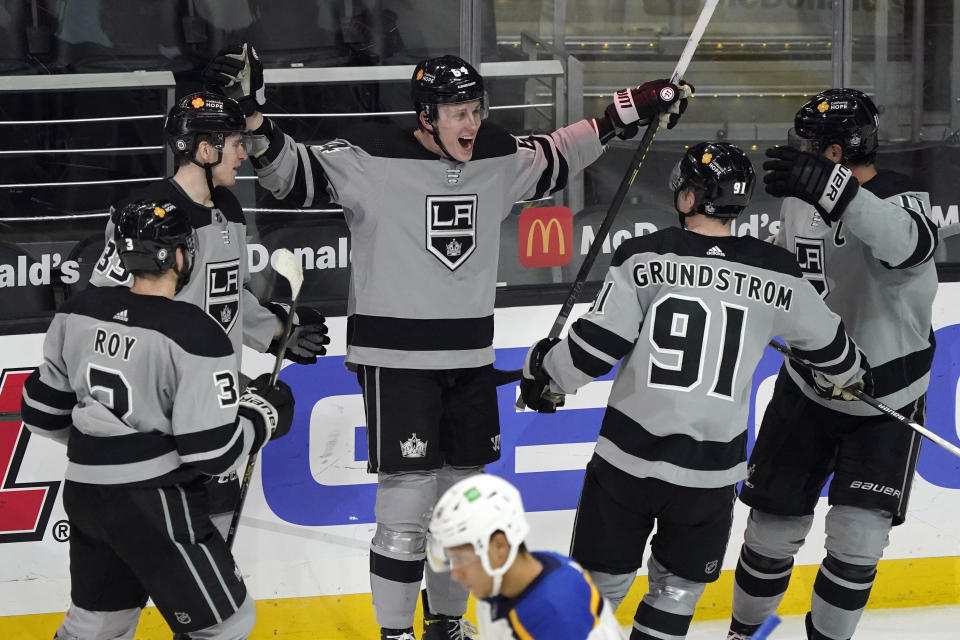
{"type": "Point", "coordinates": [414, 447]}
{"type": "Point", "coordinates": [120, 316]}
{"type": "Point", "coordinates": [715, 251]}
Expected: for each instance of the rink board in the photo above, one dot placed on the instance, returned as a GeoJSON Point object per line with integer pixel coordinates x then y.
{"type": "Point", "coordinates": [303, 542]}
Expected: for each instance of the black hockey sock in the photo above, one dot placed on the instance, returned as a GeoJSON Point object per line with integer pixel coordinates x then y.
{"type": "Point", "coordinates": [654, 624]}
{"type": "Point", "coordinates": [840, 595]}
{"type": "Point", "coordinates": [759, 585]}
{"type": "Point", "coordinates": [743, 629]}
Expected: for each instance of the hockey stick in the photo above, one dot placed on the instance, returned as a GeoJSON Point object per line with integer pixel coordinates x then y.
{"type": "Point", "coordinates": [635, 163]}
{"type": "Point", "coordinates": [289, 266]}
{"type": "Point", "coordinates": [766, 628]}
{"type": "Point", "coordinates": [879, 406]}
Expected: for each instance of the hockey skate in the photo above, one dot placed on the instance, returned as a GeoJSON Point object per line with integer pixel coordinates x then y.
{"type": "Point", "coordinates": [733, 635]}
{"type": "Point", "coordinates": [447, 628]}
{"type": "Point", "coordinates": [397, 634]}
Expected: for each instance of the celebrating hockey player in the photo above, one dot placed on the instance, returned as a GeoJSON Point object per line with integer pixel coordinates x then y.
{"type": "Point", "coordinates": [424, 209]}
{"type": "Point", "coordinates": [862, 237]}
{"type": "Point", "coordinates": [144, 392]}
{"type": "Point", "coordinates": [205, 131]}
{"type": "Point", "coordinates": [477, 533]}
{"type": "Point", "coordinates": [689, 311]}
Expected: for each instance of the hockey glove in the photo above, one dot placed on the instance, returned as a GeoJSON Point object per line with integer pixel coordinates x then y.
{"type": "Point", "coordinates": [633, 108]}
{"type": "Point", "coordinates": [826, 389]}
{"type": "Point", "coordinates": [828, 186]}
{"type": "Point", "coordinates": [308, 336]}
{"type": "Point", "coordinates": [270, 409]}
{"type": "Point", "coordinates": [238, 73]}
{"type": "Point", "coordinates": [535, 384]}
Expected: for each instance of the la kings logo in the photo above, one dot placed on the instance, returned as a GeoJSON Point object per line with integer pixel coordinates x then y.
{"type": "Point", "coordinates": [810, 257]}
{"type": "Point", "coordinates": [451, 228]}
{"type": "Point", "coordinates": [223, 292]}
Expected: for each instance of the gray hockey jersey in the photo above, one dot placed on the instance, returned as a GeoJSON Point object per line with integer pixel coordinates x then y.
{"type": "Point", "coordinates": [143, 390]}
{"type": "Point", "coordinates": [690, 316]}
{"type": "Point", "coordinates": [425, 231]}
{"type": "Point", "coordinates": [875, 269]}
{"type": "Point", "coordinates": [220, 273]}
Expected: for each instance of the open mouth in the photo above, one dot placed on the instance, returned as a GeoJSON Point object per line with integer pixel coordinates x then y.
{"type": "Point", "coordinates": [466, 143]}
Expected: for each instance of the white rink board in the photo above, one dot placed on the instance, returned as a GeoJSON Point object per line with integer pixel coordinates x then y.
{"type": "Point", "coordinates": [281, 559]}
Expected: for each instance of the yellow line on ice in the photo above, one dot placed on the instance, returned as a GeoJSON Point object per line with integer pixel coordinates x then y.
{"type": "Point", "coordinates": [900, 583]}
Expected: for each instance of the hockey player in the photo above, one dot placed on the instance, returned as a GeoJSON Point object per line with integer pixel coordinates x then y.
{"type": "Point", "coordinates": [205, 131]}
{"type": "Point", "coordinates": [862, 237]}
{"type": "Point", "coordinates": [689, 311]}
{"type": "Point", "coordinates": [477, 533]}
{"type": "Point", "coordinates": [144, 392]}
{"type": "Point", "coordinates": [424, 209]}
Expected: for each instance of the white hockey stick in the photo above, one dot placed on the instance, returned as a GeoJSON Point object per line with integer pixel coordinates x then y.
{"type": "Point", "coordinates": [287, 265]}
{"type": "Point", "coordinates": [635, 163]}
{"type": "Point", "coordinates": [879, 406]}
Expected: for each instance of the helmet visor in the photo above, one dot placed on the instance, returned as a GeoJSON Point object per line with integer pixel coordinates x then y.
{"type": "Point", "coordinates": [445, 559]}
{"type": "Point", "coordinates": [808, 145]}
{"type": "Point", "coordinates": [676, 177]}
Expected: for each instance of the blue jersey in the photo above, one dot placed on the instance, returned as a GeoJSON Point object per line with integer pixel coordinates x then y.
{"type": "Point", "coordinates": [562, 603]}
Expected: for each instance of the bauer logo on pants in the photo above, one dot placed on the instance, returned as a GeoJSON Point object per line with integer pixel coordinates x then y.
{"type": "Point", "coordinates": [451, 228]}
{"type": "Point", "coordinates": [223, 292]}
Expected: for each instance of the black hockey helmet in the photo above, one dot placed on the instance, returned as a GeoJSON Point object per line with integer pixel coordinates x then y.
{"type": "Point", "coordinates": [445, 80]}
{"type": "Point", "coordinates": [147, 234]}
{"type": "Point", "coordinates": [721, 176]}
{"type": "Point", "coordinates": [846, 117]}
{"type": "Point", "coordinates": [202, 113]}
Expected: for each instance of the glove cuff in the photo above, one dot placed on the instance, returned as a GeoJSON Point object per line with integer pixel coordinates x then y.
{"type": "Point", "coordinates": [840, 190]}
{"type": "Point", "coordinates": [262, 414]}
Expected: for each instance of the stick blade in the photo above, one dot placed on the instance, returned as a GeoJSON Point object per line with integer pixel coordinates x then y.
{"type": "Point", "coordinates": [287, 265]}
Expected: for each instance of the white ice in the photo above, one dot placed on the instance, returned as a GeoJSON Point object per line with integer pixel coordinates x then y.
{"type": "Point", "coordinates": [920, 623]}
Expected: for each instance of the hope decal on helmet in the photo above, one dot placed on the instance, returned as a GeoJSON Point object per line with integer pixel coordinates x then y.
{"type": "Point", "coordinates": [846, 117]}
{"type": "Point", "coordinates": [147, 235]}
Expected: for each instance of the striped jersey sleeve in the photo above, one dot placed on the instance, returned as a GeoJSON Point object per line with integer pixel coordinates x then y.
{"type": "Point", "coordinates": [544, 163]}
{"type": "Point", "coordinates": [816, 335]}
{"type": "Point", "coordinates": [896, 228]}
{"type": "Point", "coordinates": [48, 399]}
{"type": "Point", "coordinates": [602, 336]}
{"type": "Point", "coordinates": [302, 175]}
{"type": "Point", "coordinates": [209, 433]}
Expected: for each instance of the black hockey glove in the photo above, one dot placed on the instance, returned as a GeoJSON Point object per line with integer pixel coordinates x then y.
{"type": "Point", "coordinates": [237, 72]}
{"type": "Point", "coordinates": [270, 409]}
{"type": "Point", "coordinates": [308, 336]}
{"type": "Point", "coordinates": [535, 384]}
{"type": "Point", "coordinates": [633, 108]}
{"type": "Point", "coordinates": [828, 186]}
{"type": "Point", "coordinates": [826, 389]}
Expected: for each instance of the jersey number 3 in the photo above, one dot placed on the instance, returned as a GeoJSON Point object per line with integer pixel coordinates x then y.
{"type": "Point", "coordinates": [679, 337]}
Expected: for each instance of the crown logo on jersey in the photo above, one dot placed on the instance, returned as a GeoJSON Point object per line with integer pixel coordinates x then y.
{"type": "Point", "coordinates": [454, 248]}
{"type": "Point", "coordinates": [226, 314]}
{"type": "Point", "coordinates": [823, 107]}
{"type": "Point", "coordinates": [715, 251]}
{"type": "Point", "coordinates": [707, 157]}
{"type": "Point", "coordinates": [413, 447]}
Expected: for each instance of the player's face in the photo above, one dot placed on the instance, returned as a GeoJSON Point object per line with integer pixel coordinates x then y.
{"type": "Point", "coordinates": [466, 568]}
{"type": "Point", "coordinates": [457, 126]}
{"type": "Point", "coordinates": [225, 173]}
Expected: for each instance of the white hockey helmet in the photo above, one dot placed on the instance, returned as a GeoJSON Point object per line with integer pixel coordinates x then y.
{"type": "Point", "coordinates": [470, 512]}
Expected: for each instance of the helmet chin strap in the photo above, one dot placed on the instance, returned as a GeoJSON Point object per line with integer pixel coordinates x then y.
{"type": "Point", "coordinates": [183, 277]}
{"type": "Point", "coordinates": [436, 138]}
{"type": "Point", "coordinates": [497, 574]}
{"type": "Point", "coordinates": [681, 216]}
{"type": "Point", "coordinates": [208, 168]}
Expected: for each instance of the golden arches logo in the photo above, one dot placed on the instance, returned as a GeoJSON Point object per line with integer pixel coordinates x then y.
{"type": "Point", "coordinates": [545, 233]}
